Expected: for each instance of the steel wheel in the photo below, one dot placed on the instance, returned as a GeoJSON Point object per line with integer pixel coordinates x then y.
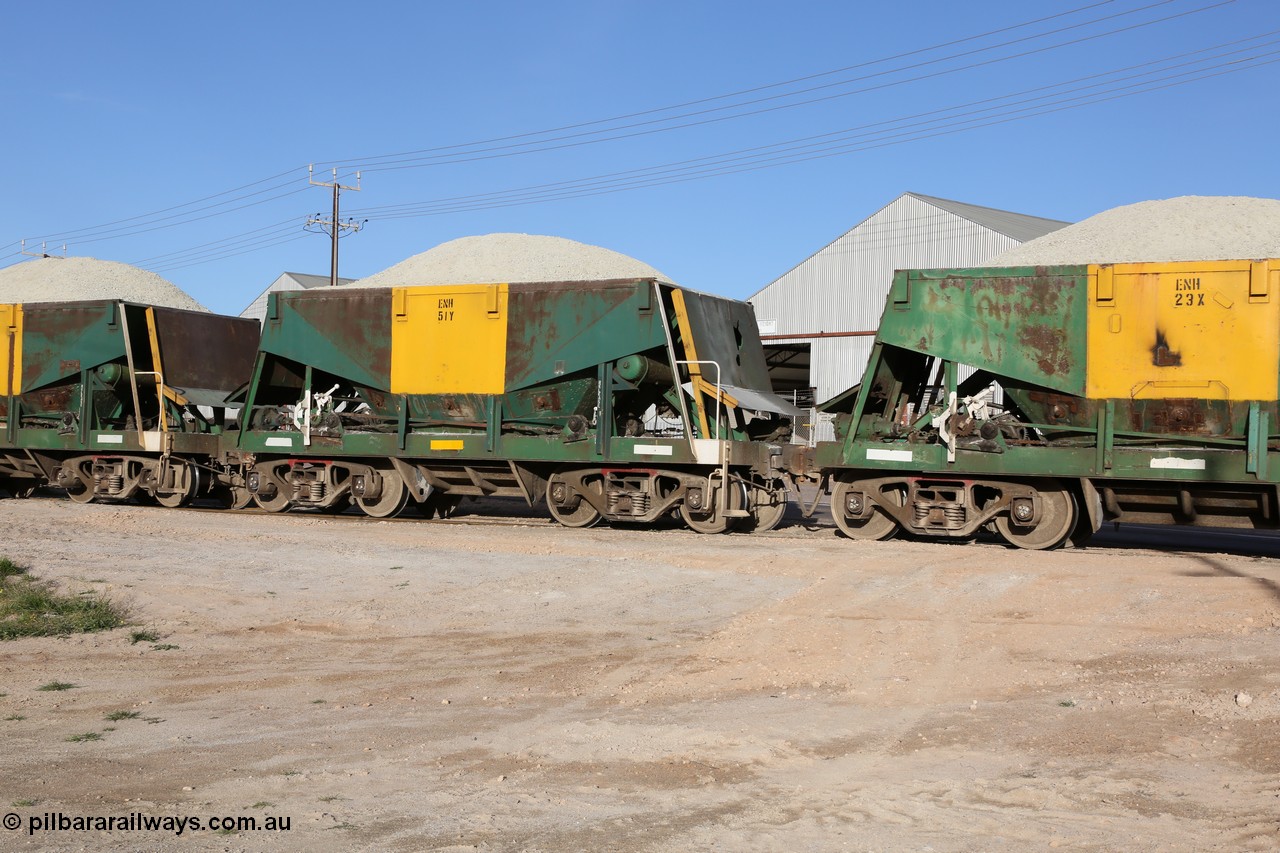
{"type": "Point", "coordinates": [1057, 519]}
{"type": "Point", "coordinates": [181, 497]}
{"type": "Point", "coordinates": [277, 503]}
{"type": "Point", "coordinates": [581, 514]}
{"type": "Point", "coordinates": [768, 506]}
{"type": "Point", "coordinates": [81, 491]}
{"type": "Point", "coordinates": [235, 497]}
{"type": "Point", "coordinates": [711, 520]}
{"type": "Point", "coordinates": [390, 502]}
{"type": "Point", "coordinates": [876, 526]}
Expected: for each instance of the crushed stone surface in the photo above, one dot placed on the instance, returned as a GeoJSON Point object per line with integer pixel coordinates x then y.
{"type": "Point", "coordinates": [79, 279]}
{"type": "Point", "coordinates": [1187, 228]}
{"type": "Point", "coordinates": [510, 258]}
{"type": "Point", "coordinates": [496, 682]}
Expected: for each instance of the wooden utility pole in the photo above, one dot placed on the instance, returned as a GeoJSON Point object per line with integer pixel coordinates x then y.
{"type": "Point", "coordinates": [333, 226]}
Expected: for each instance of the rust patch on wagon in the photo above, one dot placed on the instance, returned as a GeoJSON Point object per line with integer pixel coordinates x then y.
{"type": "Point", "coordinates": [1049, 348]}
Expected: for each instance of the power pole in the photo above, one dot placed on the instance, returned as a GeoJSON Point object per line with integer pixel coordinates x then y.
{"type": "Point", "coordinates": [333, 226]}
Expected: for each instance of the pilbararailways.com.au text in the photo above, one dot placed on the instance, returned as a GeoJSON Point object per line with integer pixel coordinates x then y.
{"type": "Point", "coordinates": [138, 822]}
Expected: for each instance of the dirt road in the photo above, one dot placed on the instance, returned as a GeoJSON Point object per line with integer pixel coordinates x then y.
{"type": "Point", "coordinates": [515, 686]}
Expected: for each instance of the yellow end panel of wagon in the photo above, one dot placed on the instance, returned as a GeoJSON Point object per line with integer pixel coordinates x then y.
{"type": "Point", "coordinates": [1197, 330]}
{"type": "Point", "coordinates": [10, 349]}
{"type": "Point", "coordinates": [449, 340]}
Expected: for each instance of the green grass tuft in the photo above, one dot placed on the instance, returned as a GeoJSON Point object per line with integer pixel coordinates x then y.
{"type": "Point", "coordinates": [14, 718]}
{"type": "Point", "coordinates": [115, 716]}
{"type": "Point", "coordinates": [57, 686]}
{"type": "Point", "coordinates": [33, 608]}
{"type": "Point", "coordinates": [86, 736]}
{"type": "Point", "coordinates": [10, 569]}
{"type": "Point", "coordinates": [164, 647]}
{"type": "Point", "coordinates": [143, 637]}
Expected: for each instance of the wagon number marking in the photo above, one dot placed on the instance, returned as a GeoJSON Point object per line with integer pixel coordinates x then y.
{"type": "Point", "coordinates": [444, 313]}
{"type": "Point", "coordinates": [1187, 293]}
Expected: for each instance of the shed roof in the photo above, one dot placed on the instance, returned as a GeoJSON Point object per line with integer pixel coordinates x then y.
{"type": "Point", "coordinates": [1019, 226]}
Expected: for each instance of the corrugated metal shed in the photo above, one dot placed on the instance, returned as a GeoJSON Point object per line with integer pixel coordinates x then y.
{"type": "Point", "coordinates": [842, 287]}
{"type": "Point", "coordinates": [287, 281]}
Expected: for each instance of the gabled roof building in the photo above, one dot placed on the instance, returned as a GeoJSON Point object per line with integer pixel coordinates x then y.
{"type": "Point", "coordinates": [287, 281]}
{"type": "Point", "coordinates": [818, 319]}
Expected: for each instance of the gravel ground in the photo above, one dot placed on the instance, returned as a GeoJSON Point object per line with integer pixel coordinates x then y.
{"type": "Point", "coordinates": [1189, 228]}
{"type": "Point", "coordinates": [509, 685]}
{"type": "Point", "coordinates": [75, 279]}
{"type": "Point", "coordinates": [510, 258]}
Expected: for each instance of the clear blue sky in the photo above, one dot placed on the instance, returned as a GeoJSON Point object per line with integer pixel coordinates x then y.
{"type": "Point", "coordinates": [133, 109]}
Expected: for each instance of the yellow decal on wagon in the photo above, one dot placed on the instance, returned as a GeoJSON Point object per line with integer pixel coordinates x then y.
{"type": "Point", "coordinates": [10, 349]}
{"type": "Point", "coordinates": [449, 340]}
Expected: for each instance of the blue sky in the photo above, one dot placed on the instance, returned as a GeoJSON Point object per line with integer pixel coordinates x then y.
{"type": "Point", "coordinates": [190, 126]}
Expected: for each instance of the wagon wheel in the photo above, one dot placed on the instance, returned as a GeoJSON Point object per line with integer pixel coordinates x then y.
{"type": "Point", "coordinates": [279, 502]}
{"type": "Point", "coordinates": [234, 497]}
{"type": "Point", "coordinates": [389, 503]}
{"type": "Point", "coordinates": [569, 513]}
{"type": "Point", "coordinates": [183, 496]}
{"type": "Point", "coordinates": [710, 519]}
{"type": "Point", "coordinates": [80, 491]}
{"type": "Point", "coordinates": [1057, 519]}
{"type": "Point", "coordinates": [876, 526]}
{"type": "Point", "coordinates": [768, 506]}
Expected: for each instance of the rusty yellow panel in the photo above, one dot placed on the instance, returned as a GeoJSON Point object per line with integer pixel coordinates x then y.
{"type": "Point", "coordinates": [1198, 330]}
{"type": "Point", "coordinates": [10, 349]}
{"type": "Point", "coordinates": [449, 340]}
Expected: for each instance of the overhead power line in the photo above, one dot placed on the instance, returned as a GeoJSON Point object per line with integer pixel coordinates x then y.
{"type": "Point", "coordinates": [182, 214]}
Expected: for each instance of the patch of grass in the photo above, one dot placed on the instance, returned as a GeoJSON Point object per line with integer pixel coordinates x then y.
{"type": "Point", "coordinates": [123, 715]}
{"type": "Point", "coordinates": [260, 804]}
{"type": "Point", "coordinates": [14, 717]}
{"type": "Point", "coordinates": [10, 569]}
{"type": "Point", "coordinates": [317, 701]}
{"type": "Point", "coordinates": [331, 799]}
{"type": "Point", "coordinates": [1067, 703]}
{"type": "Point", "coordinates": [142, 637]}
{"type": "Point", "coordinates": [292, 773]}
{"type": "Point", "coordinates": [56, 686]}
{"type": "Point", "coordinates": [224, 831]}
{"type": "Point", "coordinates": [86, 736]}
{"type": "Point", "coordinates": [152, 720]}
{"type": "Point", "coordinates": [23, 804]}
{"type": "Point", "coordinates": [34, 608]}
{"type": "Point", "coordinates": [108, 728]}
{"type": "Point", "coordinates": [164, 647]}
{"type": "Point", "coordinates": [342, 826]}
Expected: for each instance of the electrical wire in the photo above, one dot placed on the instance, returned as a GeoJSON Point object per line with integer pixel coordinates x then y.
{"type": "Point", "coordinates": [109, 230]}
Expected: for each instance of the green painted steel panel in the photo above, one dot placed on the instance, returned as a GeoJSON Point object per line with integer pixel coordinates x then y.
{"type": "Point", "coordinates": [1026, 323]}
{"type": "Point", "coordinates": [346, 332]}
{"type": "Point", "coordinates": [559, 329]}
{"type": "Point", "coordinates": [61, 339]}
